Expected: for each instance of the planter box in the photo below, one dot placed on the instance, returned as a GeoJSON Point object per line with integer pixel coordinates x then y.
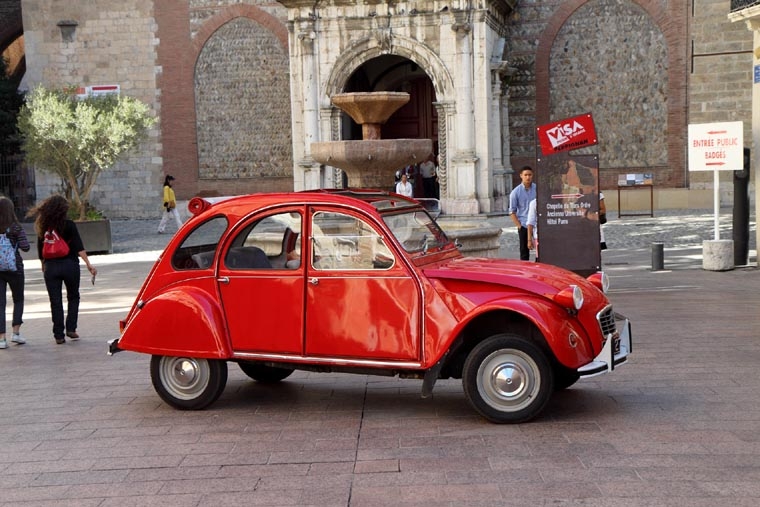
{"type": "Point", "coordinates": [96, 236]}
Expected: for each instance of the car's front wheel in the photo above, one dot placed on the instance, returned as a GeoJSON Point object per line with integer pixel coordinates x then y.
{"type": "Point", "coordinates": [265, 374]}
{"type": "Point", "coordinates": [188, 383]}
{"type": "Point", "coordinates": [507, 379]}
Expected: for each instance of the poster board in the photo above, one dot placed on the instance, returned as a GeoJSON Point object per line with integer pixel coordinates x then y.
{"type": "Point", "coordinates": [567, 205]}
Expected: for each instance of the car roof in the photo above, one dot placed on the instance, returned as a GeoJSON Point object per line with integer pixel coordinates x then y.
{"type": "Point", "coordinates": [378, 200]}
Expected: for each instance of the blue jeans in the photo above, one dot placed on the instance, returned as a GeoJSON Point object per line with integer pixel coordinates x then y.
{"type": "Point", "coordinates": [15, 280]}
{"type": "Point", "coordinates": [59, 272]}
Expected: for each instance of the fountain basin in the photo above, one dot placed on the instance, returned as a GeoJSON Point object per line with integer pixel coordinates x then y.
{"type": "Point", "coordinates": [370, 107]}
{"type": "Point", "coordinates": [371, 163]}
{"type": "Point", "coordinates": [478, 238]}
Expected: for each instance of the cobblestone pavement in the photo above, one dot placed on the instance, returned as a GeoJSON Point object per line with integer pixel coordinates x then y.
{"type": "Point", "coordinates": [679, 425]}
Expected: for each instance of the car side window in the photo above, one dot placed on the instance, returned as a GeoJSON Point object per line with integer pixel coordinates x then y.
{"type": "Point", "coordinates": [198, 248]}
{"type": "Point", "coordinates": [344, 242]}
{"type": "Point", "coordinates": [272, 242]}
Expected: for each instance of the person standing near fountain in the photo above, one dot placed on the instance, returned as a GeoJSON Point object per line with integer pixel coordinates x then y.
{"type": "Point", "coordinates": [403, 187]}
{"type": "Point", "coordinates": [519, 200]}
{"type": "Point", "coordinates": [428, 173]}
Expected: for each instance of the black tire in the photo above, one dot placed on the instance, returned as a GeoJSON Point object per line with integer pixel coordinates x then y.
{"type": "Point", "coordinates": [564, 378]}
{"type": "Point", "coordinates": [263, 373]}
{"type": "Point", "coordinates": [188, 383]}
{"type": "Point", "coordinates": [507, 379]}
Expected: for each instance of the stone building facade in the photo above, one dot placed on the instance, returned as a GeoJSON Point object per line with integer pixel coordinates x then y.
{"type": "Point", "coordinates": [242, 87]}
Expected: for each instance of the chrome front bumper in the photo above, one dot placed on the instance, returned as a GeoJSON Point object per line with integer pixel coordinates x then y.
{"type": "Point", "coordinates": [615, 352]}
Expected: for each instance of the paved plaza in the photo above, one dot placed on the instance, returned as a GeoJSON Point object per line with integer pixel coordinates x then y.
{"type": "Point", "coordinates": [679, 425]}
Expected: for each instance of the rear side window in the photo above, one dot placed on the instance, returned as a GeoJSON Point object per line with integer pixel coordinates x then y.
{"type": "Point", "coordinates": [198, 249]}
{"type": "Point", "coordinates": [273, 242]}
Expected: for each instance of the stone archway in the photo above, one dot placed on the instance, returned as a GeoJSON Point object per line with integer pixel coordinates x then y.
{"type": "Point", "coordinates": [439, 83]}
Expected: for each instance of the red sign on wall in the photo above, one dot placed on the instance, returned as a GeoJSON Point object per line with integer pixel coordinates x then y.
{"type": "Point", "coordinates": [567, 134]}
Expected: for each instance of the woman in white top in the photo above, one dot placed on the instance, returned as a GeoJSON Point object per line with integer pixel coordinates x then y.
{"type": "Point", "coordinates": [404, 188]}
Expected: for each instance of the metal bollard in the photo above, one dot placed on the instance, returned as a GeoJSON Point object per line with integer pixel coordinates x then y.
{"type": "Point", "coordinates": [658, 260]}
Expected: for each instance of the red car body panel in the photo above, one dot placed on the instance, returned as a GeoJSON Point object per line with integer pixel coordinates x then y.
{"type": "Point", "coordinates": [184, 320]}
{"type": "Point", "coordinates": [411, 313]}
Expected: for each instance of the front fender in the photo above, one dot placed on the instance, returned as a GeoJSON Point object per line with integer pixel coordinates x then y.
{"type": "Point", "coordinates": [551, 320]}
{"type": "Point", "coordinates": [185, 321]}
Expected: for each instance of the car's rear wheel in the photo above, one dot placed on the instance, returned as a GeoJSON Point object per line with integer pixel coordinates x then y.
{"type": "Point", "coordinates": [265, 374]}
{"type": "Point", "coordinates": [507, 379]}
{"type": "Point", "coordinates": [188, 383]}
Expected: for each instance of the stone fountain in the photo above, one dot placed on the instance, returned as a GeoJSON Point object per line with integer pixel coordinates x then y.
{"type": "Point", "coordinates": [371, 162]}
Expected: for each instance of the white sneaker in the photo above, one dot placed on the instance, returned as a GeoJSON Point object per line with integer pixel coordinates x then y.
{"type": "Point", "coordinates": [18, 339]}
{"type": "Point", "coordinates": [3, 344]}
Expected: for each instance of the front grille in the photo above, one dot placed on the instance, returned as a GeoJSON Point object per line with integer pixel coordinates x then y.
{"type": "Point", "coordinates": [606, 320]}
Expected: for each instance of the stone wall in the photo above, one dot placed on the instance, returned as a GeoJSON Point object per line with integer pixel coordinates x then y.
{"type": "Point", "coordinates": [113, 43]}
{"type": "Point", "coordinates": [623, 61]}
{"type": "Point", "coordinates": [242, 100]}
{"type": "Point", "coordinates": [627, 62]}
{"type": "Point", "coordinates": [610, 59]}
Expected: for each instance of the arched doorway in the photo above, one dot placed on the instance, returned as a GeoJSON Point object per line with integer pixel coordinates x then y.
{"type": "Point", "coordinates": [418, 119]}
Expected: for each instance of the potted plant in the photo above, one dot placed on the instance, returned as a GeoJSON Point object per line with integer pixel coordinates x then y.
{"type": "Point", "coordinates": [77, 139]}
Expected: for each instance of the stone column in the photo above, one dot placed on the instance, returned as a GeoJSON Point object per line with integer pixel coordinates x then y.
{"type": "Point", "coordinates": [461, 196]}
{"type": "Point", "coordinates": [445, 111]}
{"type": "Point", "coordinates": [310, 87]}
{"type": "Point", "coordinates": [496, 125]}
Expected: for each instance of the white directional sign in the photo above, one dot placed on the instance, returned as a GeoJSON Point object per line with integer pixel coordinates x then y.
{"type": "Point", "coordinates": [716, 146]}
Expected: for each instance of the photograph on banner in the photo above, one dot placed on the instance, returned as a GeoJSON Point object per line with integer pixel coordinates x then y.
{"type": "Point", "coordinates": [567, 205]}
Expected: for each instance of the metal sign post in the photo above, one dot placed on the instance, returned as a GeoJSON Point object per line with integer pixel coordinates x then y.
{"type": "Point", "coordinates": [716, 147]}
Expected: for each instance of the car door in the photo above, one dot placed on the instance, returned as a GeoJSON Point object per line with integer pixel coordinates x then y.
{"type": "Point", "coordinates": [261, 282]}
{"type": "Point", "coordinates": [362, 301]}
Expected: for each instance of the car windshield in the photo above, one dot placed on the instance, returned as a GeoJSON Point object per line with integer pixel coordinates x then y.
{"type": "Point", "coordinates": [416, 231]}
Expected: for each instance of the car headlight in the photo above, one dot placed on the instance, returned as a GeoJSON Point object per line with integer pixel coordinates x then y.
{"type": "Point", "coordinates": [600, 280]}
{"type": "Point", "coordinates": [570, 297]}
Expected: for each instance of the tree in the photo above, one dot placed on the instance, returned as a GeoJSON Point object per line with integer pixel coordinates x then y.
{"type": "Point", "coordinates": [78, 139]}
{"type": "Point", "coordinates": [10, 104]}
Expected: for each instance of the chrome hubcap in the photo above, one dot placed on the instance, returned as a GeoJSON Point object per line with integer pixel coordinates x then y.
{"type": "Point", "coordinates": [185, 378]}
{"type": "Point", "coordinates": [508, 380]}
{"type": "Point", "coordinates": [185, 373]}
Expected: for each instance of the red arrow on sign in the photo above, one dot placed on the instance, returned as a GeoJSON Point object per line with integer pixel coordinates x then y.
{"type": "Point", "coordinates": [717, 132]}
{"type": "Point", "coordinates": [715, 163]}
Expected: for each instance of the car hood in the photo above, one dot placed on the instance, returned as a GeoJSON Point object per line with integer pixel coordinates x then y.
{"type": "Point", "coordinates": [543, 279]}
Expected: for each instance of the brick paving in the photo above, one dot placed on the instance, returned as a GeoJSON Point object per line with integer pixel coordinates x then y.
{"type": "Point", "coordinates": [679, 425]}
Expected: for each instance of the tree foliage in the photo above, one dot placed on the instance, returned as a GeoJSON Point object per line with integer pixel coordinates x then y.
{"type": "Point", "coordinates": [78, 139]}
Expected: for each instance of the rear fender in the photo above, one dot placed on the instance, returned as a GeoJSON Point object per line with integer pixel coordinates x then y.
{"type": "Point", "coordinates": [185, 321]}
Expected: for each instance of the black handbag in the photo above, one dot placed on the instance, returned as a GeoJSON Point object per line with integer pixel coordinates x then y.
{"type": "Point", "coordinates": [602, 218]}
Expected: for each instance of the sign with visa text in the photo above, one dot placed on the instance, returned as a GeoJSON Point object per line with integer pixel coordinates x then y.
{"type": "Point", "coordinates": [568, 134]}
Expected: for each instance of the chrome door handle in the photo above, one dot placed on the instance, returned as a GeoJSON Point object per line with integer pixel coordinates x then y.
{"type": "Point", "coordinates": [314, 281]}
{"type": "Point", "coordinates": [223, 279]}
